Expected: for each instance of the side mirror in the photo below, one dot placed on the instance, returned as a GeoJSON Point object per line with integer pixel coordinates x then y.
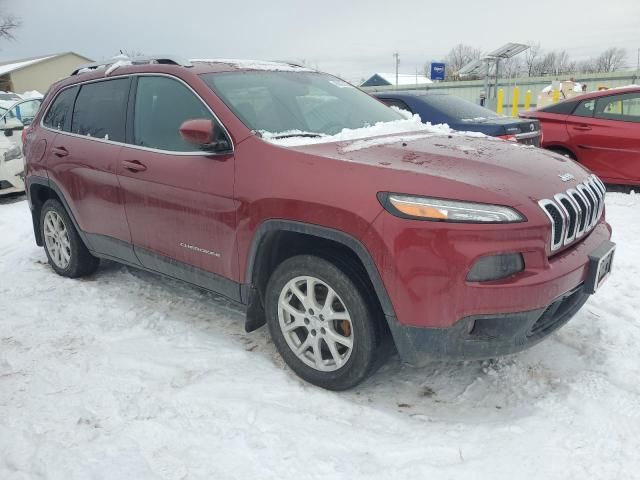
{"type": "Point", "coordinates": [202, 133]}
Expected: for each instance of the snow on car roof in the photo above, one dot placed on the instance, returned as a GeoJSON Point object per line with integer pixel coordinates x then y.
{"type": "Point", "coordinates": [242, 64]}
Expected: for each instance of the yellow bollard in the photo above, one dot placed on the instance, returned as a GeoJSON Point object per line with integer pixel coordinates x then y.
{"type": "Point", "coordinates": [515, 102]}
{"type": "Point", "coordinates": [500, 101]}
{"type": "Point", "coordinates": [527, 100]}
{"type": "Point", "coordinates": [556, 96]}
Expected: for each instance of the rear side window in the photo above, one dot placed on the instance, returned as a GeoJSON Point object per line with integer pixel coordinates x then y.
{"type": "Point", "coordinates": [585, 108]}
{"type": "Point", "coordinates": [58, 116]}
{"type": "Point", "coordinates": [162, 105]}
{"type": "Point", "coordinates": [100, 110]}
{"type": "Point", "coordinates": [561, 108]}
{"type": "Point", "coordinates": [394, 102]}
{"type": "Point", "coordinates": [625, 108]}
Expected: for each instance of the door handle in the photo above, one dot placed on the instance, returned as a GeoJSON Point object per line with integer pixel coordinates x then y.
{"type": "Point", "coordinates": [584, 128]}
{"type": "Point", "coordinates": [133, 165]}
{"type": "Point", "coordinates": [60, 151]}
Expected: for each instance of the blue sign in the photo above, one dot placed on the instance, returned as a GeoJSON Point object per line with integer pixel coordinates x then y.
{"type": "Point", "coordinates": [437, 71]}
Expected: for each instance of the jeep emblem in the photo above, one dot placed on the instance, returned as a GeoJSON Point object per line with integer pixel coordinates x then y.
{"type": "Point", "coordinates": [565, 177]}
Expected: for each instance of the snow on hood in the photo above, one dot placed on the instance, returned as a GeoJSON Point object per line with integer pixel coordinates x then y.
{"type": "Point", "coordinates": [411, 125]}
{"type": "Point", "coordinates": [254, 64]}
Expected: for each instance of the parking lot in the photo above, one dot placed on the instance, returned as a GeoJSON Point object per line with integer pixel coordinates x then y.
{"type": "Point", "coordinates": [128, 375]}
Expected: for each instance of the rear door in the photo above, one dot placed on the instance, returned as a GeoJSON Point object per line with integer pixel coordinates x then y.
{"type": "Point", "coordinates": [606, 134]}
{"type": "Point", "coordinates": [82, 161]}
{"type": "Point", "coordinates": [179, 199]}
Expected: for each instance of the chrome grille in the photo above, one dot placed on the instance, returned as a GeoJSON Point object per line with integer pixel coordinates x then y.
{"type": "Point", "coordinates": [575, 212]}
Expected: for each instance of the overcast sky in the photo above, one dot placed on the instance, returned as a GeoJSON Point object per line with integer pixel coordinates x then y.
{"type": "Point", "coordinates": [353, 38]}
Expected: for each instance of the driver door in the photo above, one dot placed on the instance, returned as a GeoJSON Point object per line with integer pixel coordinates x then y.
{"type": "Point", "coordinates": [178, 198]}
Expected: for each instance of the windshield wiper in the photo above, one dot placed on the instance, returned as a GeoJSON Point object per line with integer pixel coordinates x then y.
{"type": "Point", "coordinates": [301, 134]}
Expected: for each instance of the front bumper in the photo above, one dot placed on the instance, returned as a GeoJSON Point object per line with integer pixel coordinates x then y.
{"type": "Point", "coordinates": [485, 336]}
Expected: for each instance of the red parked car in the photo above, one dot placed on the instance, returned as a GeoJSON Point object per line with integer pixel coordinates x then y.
{"type": "Point", "coordinates": [263, 182]}
{"type": "Point", "coordinates": [601, 130]}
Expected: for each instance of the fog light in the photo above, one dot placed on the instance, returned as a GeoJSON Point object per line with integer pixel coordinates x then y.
{"type": "Point", "coordinates": [495, 267]}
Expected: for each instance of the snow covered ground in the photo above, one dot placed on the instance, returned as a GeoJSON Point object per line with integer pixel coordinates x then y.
{"type": "Point", "coordinates": [126, 375]}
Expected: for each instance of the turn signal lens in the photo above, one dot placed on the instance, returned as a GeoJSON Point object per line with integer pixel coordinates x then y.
{"type": "Point", "coordinates": [417, 210]}
{"type": "Point", "coordinates": [437, 209]}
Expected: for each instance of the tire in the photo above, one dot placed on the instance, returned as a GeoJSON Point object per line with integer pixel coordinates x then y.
{"type": "Point", "coordinates": [66, 252]}
{"type": "Point", "coordinates": [295, 320]}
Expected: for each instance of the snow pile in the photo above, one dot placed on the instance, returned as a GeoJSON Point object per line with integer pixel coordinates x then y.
{"type": "Point", "coordinates": [128, 375]}
{"type": "Point", "coordinates": [31, 94]}
{"type": "Point", "coordinates": [120, 61]}
{"type": "Point", "coordinates": [379, 141]}
{"type": "Point", "coordinates": [405, 113]}
{"type": "Point", "coordinates": [91, 69]}
{"type": "Point", "coordinates": [413, 124]}
{"type": "Point", "coordinates": [255, 64]}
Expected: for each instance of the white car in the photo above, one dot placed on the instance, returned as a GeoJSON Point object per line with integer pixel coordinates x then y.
{"type": "Point", "coordinates": [13, 120]}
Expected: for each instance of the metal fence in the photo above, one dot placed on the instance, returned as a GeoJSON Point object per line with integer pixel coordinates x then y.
{"type": "Point", "coordinates": [471, 89]}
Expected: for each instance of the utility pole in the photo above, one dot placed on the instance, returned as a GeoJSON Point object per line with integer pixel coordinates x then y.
{"type": "Point", "coordinates": [397, 57]}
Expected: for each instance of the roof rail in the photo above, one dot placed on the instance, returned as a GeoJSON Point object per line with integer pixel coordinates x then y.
{"type": "Point", "coordinates": [152, 59]}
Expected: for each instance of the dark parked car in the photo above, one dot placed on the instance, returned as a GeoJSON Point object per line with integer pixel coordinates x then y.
{"type": "Point", "coordinates": [207, 171]}
{"type": "Point", "coordinates": [463, 115]}
{"type": "Point", "coordinates": [601, 130]}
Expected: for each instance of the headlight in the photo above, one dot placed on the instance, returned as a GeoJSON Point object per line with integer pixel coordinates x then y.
{"type": "Point", "coordinates": [442, 210]}
{"type": "Point", "coordinates": [12, 153]}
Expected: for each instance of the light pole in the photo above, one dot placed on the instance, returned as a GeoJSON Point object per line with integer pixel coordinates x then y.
{"type": "Point", "coordinates": [397, 56]}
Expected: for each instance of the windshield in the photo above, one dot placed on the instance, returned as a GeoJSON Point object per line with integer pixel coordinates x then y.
{"type": "Point", "coordinates": [297, 103]}
{"type": "Point", "coordinates": [458, 108]}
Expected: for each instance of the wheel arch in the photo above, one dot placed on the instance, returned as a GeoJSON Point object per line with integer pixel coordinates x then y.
{"type": "Point", "coordinates": [276, 240]}
{"type": "Point", "coordinates": [39, 190]}
{"type": "Point", "coordinates": [562, 150]}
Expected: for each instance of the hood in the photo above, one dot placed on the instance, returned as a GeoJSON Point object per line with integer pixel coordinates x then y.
{"type": "Point", "coordinates": [457, 166]}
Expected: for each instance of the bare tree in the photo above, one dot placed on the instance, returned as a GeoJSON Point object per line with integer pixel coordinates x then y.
{"type": "Point", "coordinates": [554, 63]}
{"type": "Point", "coordinates": [459, 56]}
{"type": "Point", "coordinates": [532, 57]}
{"type": "Point", "coordinates": [511, 67]}
{"type": "Point", "coordinates": [611, 59]}
{"type": "Point", "coordinates": [8, 23]}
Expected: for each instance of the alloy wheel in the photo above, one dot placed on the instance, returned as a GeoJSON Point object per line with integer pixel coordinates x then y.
{"type": "Point", "coordinates": [315, 323]}
{"type": "Point", "coordinates": [56, 238]}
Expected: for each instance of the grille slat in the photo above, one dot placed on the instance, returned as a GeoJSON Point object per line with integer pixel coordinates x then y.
{"type": "Point", "coordinates": [575, 212]}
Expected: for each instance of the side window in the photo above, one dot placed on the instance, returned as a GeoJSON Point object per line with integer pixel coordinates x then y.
{"type": "Point", "coordinates": [394, 102]}
{"type": "Point", "coordinates": [585, 108]}
{"type": "Point", "coordinates": [101, 109]}
{"type": "Point", "coordinates": [561, 108]}
{"type": "Point", "coordinates": [625, 107]}
{"type": "Point", "coordinates": [58, 116]}
{"type": "Point", "coordinates": [162, 105]}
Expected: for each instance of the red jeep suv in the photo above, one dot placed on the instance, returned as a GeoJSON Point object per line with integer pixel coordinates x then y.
{"type": "Point", "coordinates": [342, 225]}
